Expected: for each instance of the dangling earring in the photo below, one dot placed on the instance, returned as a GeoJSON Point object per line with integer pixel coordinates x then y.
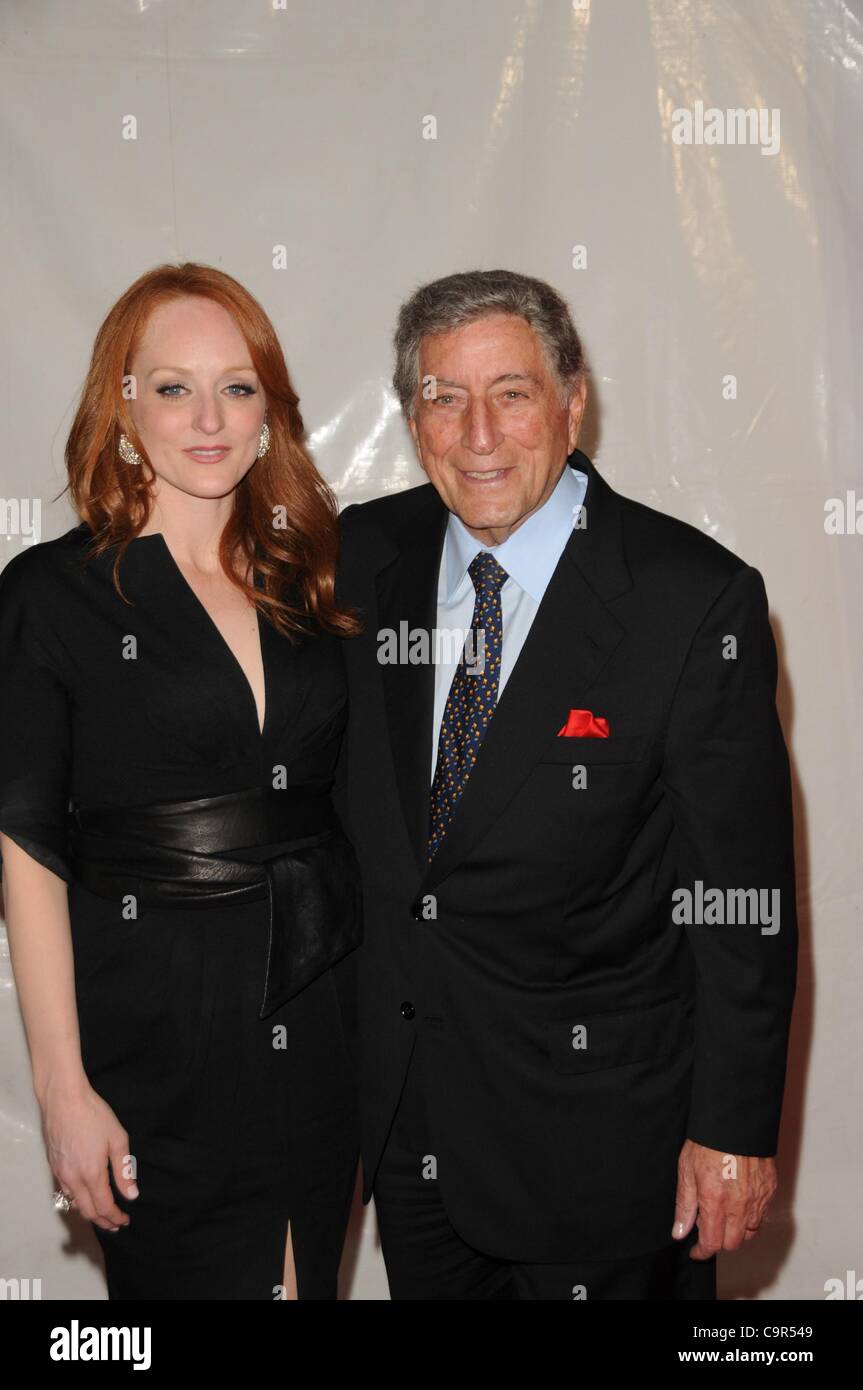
{"type": "Point", "coordinates": [127, 451]}
{"type": "Point", "coordinates": [264, 441]}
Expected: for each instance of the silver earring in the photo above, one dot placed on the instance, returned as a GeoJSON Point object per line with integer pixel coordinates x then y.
{"type": "Point", "coordinates": [127, 451]}
{"type": "Point", "coordinates": [264, 441]}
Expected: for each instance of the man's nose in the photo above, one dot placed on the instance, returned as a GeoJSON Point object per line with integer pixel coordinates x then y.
{"type": "Point", "coordinates": [481, 433]}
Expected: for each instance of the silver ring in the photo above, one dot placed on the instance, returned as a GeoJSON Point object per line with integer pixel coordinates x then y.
{"type": "Point", "coordinates": [61, 1200]}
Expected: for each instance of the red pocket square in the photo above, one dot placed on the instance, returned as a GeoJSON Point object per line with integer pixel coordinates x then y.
{"type": "Point", "coordinates": [583, 723]}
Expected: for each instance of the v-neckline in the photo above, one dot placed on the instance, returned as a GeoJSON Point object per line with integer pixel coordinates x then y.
{"type": "Point", "coordinates": [260, 728]}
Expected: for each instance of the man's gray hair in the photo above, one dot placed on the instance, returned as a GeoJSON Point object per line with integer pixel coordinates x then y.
{"type": "Point", "coordinates": [450, 303]}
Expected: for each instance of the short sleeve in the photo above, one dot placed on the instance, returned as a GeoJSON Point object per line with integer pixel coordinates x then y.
{"type": "Point", "coordinates": [35, 731]}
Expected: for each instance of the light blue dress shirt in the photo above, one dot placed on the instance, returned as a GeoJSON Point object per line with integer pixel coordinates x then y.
{"type": "Point", "coordinates": [529, 556]}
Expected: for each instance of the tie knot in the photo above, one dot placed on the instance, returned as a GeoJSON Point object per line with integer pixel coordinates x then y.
{"type": "Point", "coordinates": [485, 572]}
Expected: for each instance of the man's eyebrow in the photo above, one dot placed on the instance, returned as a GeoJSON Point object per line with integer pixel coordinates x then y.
{"type": "Point", "coordinates": [505, 376]}
{"type": "Point", "coordinates": [187, 371]}
{"type": "Point", "coordinates": [517, 376]}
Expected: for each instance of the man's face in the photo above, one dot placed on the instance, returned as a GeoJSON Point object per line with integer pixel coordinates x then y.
{"type": "Point", "coordinates": [493, 437]}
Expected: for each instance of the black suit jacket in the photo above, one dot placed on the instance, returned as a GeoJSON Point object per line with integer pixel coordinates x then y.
{"type": "Point", "coordinates": [574, 1034]}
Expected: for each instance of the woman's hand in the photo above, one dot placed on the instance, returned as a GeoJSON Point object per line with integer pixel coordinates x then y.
{"type": "Point", "coordinates": [82, 1137]}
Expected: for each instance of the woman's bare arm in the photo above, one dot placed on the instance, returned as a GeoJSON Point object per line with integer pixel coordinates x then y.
{"type": "Point", "coordinates": [82, 1133]}
{"type": "Point", "coordinates": [40, 947]}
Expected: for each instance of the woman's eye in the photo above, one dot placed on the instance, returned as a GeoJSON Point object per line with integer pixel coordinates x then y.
{"type": "Point", "coordinates": [172, 389]}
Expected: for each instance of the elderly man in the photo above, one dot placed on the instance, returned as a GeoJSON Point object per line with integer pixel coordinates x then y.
{"type": "Point", "coordinates": [576, 842]}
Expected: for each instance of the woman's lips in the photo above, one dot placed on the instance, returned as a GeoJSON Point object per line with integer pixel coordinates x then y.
{"type": "Point", "coordinates": [207, 455]}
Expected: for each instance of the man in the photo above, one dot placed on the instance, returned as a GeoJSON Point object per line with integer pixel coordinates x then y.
{"type": "Point", "coordinates": [576, 842]}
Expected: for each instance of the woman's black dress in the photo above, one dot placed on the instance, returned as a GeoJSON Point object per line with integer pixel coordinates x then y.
{"type": "Point", "coordinates": [238, 1124]}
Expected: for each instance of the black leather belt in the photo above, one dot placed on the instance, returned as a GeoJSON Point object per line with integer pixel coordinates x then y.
{"type": "Point", "coordinates": [188, 853]}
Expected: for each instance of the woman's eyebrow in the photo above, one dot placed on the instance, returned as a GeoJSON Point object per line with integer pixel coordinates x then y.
{"type": "Point", "coordinates": [187, 371]}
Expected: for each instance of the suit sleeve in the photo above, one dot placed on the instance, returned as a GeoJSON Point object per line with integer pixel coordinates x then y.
{"type": "Point", "coordinates": [340, 784]}
{"type": "Point", "coordinates": [726, 772]}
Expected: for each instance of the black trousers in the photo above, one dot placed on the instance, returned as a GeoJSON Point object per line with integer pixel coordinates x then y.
{"type": "Point", "coordinates": [425, 1257]}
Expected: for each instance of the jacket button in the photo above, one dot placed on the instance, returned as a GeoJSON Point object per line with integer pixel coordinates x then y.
{"type": "Point", "coordinates": [408, 1009]}
{"type": "Point", "coordinates": [416, 910]}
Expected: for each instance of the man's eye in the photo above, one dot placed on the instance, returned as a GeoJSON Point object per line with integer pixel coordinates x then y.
{"type": "Point", "coordinates": [436, 400]}
{"type": "Point", "coordinates": [513, 392]}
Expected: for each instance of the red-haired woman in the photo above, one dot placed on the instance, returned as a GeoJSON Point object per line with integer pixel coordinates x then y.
{"type": "Point", "coordinates": [182, 903]}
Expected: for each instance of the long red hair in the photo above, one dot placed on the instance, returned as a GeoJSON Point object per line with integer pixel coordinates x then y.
{"type": "Point", "coordinates": [115, 500]}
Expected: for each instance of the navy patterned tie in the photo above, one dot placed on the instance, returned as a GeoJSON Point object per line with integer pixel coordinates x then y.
{"type": "Point", "coordinates": [471, 700]}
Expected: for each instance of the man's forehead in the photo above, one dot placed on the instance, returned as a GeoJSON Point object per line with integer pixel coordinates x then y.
{"type": "Point", "coordinates": [498, 358]}
{"type": "Point", "coordinates": [488, 326]}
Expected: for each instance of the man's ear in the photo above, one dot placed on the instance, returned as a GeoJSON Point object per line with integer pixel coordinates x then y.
{"type": "Point", "coordinates": [415, 435]}
{"type": "Point", "coordinates": [577, 403]}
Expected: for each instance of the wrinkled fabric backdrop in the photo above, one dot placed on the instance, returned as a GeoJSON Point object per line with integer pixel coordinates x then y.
{"type": "Point", "coordinates": [332, 155]}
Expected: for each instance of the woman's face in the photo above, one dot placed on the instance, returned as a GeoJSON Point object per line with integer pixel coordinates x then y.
{"type": "Point", "coordinates": [198, 404]}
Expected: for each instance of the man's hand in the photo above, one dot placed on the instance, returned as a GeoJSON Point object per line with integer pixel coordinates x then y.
{"type": "Point", "coordinates": [727, 1193]}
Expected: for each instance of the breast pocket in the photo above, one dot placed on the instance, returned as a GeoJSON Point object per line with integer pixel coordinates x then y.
{"type": "Point", "coordinates": [628, 749]}
{"type": "Point", "coordinates": [600, 1041]}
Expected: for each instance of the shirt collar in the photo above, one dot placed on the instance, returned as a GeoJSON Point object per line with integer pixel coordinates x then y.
{"type": "Point", "coordinates": [531, 553]}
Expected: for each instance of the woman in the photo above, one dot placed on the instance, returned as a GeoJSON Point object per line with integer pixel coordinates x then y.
{"type": "Point", "coordinates": [181, 933]}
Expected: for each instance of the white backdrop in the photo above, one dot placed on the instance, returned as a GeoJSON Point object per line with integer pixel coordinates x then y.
{"type": "Point", "coordinates": [333, 154]}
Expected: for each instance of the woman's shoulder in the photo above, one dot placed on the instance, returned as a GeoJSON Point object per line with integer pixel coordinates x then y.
{"type": "Point", "coordinates": [43, 566]}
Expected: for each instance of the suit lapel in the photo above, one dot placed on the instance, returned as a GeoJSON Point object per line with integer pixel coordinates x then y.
{"type": "Point", "coordinates": [571, 638]}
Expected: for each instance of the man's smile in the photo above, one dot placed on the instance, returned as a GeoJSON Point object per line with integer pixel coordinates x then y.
{"type": "Point", "coordinates": [485, 477]}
